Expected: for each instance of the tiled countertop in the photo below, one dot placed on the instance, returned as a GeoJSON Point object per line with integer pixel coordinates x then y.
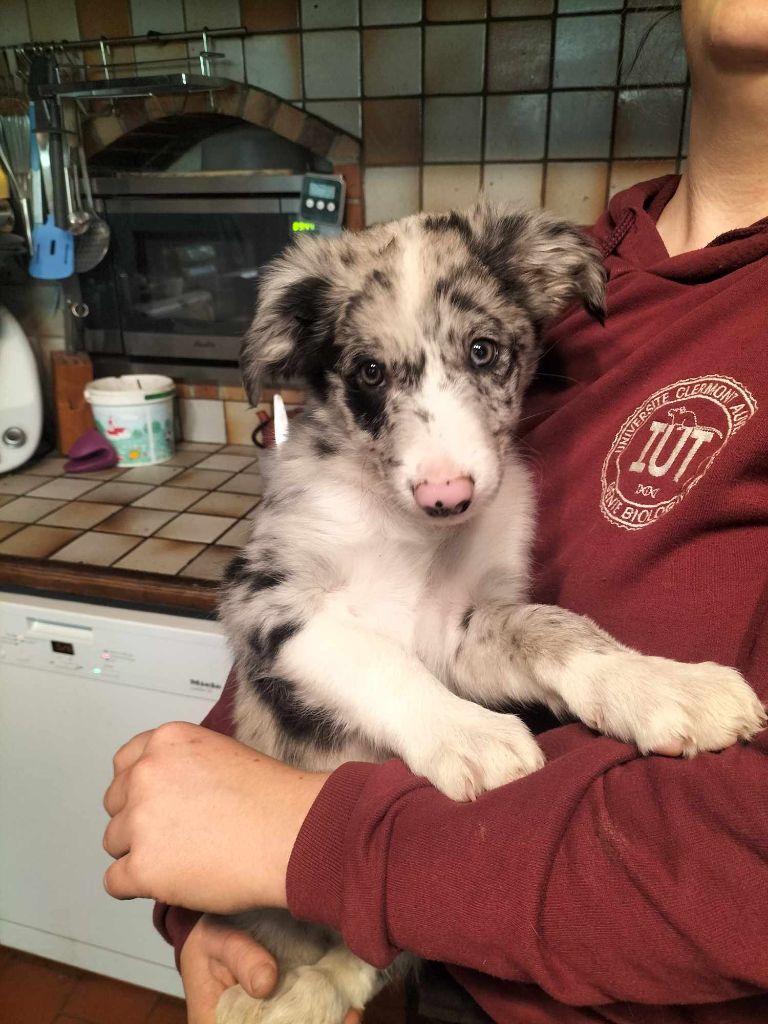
{"type": "Point", "coordinates": [154, 534]}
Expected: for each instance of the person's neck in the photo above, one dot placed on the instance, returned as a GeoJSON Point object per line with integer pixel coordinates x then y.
{"type": "Point", "coordinates": [724, 184]}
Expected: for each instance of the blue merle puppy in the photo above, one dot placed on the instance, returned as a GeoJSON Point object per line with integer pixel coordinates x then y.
{"type": "Point", "coordinates": [380, 607]}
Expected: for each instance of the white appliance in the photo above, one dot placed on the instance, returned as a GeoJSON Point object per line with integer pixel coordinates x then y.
{"type": "Point", "coordinates": [76, 682]}
{"type": "Point", "coordinates": [21, 399]}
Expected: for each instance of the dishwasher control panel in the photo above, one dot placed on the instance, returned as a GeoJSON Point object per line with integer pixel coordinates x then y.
{"type": "Point", "coordinates": [142, 649]}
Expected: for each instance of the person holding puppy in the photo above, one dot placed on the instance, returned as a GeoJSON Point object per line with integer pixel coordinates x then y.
{"type": "Point", "coordinates": [606, 886]}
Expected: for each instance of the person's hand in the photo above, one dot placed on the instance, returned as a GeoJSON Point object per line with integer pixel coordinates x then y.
{"type": "Point", "coordinates": [202, 821]}
{"type": "Point", "coordinates": [216, 956]}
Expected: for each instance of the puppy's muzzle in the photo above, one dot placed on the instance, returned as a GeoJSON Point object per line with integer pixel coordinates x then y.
{"type": "Point", "coordinates": [441, 498]}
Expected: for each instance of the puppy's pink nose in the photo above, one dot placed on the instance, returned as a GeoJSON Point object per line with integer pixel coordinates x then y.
{"type": "Point", "coordinates": [444, 497]}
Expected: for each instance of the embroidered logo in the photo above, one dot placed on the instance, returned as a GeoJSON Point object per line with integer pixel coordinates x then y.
{"type": "Point", "coordinates": [667, 445]}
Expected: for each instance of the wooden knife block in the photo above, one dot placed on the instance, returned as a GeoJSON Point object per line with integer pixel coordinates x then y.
{"type": "Point", "coordinates": [71, 372]}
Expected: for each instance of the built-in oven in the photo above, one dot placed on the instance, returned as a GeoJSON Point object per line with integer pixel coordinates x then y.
{"type": "Point", "coordinates": [180, 279]}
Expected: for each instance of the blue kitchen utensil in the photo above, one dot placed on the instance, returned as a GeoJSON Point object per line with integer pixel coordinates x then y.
{"type": "Point", "coordinates": [53, 255]}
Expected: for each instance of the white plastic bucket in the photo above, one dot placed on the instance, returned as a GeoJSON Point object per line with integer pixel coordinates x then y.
{"type": "Point", "coordinates": [135, 414]}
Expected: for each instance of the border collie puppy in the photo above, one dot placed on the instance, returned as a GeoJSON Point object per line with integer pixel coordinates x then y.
{"type": "Point", "coordinates": [380, 608]}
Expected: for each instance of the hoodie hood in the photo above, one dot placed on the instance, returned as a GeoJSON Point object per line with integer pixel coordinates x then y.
{"type": "Point", "coordinates": [629, 239]}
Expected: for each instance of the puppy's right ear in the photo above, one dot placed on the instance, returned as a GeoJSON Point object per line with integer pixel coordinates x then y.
{"type": "Point", "coordinates": [292, 332]}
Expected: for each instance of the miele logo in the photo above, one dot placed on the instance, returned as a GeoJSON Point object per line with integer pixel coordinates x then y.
{"type": "Point", "coordinates": [667, 445]}
{"type": "Point", "coordinates": [202, 684]}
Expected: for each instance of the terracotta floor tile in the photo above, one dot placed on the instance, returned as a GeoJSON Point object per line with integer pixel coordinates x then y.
{"type": "Point", "coordinates": [28, 510]}
{"type": "Point", "coordinates": [37, 541]}
{"type": "Point", "coordinates": [32, 991]}
{"type": "Point", "coordinates": [100, 1000]}
{"type": "Point", "coordinates": [168, 1011]}
{"type": "Point", "coordinates": [173, 498]}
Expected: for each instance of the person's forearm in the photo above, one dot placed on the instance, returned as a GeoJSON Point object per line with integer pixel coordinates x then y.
{"type": "Point", "coordinates": [602, 878]}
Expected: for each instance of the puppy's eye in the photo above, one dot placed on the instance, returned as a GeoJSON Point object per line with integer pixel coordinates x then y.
{"type": "Point", "coordinates": [371, 374]}
{"type": "Point", "coordinates": [483, 353]}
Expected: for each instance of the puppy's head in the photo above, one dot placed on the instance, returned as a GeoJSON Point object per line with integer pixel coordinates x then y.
{"type": "Point", "coordinates": [417, 339]}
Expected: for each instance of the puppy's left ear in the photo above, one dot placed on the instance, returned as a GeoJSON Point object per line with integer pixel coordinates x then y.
{"type": "Point", "coordinates": [551, 260]}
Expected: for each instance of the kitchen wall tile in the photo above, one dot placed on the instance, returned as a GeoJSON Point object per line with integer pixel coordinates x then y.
{"type": "Point", "coordinates": [222, 503]}
{"type": "Point", "coordinates": [329, 13]}
{"type": "Point", "coordinates": [452, 128]}
{"type": "Point", "coordinates": [653, 49]}
{"type": "Point", "coordinates": [96, 549]}
{"type": "Point", "coordinates": [150, 474]}
{"type": "Point", "coordinates": [229, 463]}
{"type": "Point", "coordinates": [454, 58]}
{"type": "Point", "coordinates": [118, 493]}
{"type": "Point", "coordinates": [519, 55]}
{"type": "Point", "coordinates": [273, 62]}
{"type": "Point", "coordinates": [580, 124]}
{"type": "Point", "coordinates": [150, 16]}
{"type": "Point", "coordinates": [577, 6]}
{"type": "Point", "coordinates": [519, 184]}
{"type": "Point", "coordinates": [269, 15]}
{"type": "Point", "coordinates": [232, 393]}
{"type": "Point", "coordinates": [19, 483]}
{"type": "Point", "coordinates": [648, 122]}
{"type": "Point", "coordinates": [172, 498]}
{"type": "Point", "coordinates": [14, 24]}
{"type": "Point", "coordinates": [239, 535]}
{"type": "Point", "coordinates": [97, 18]}
{"type": "Point", "coordinates": [141, 522]}
{"type": "Point", "coordinates": [202, 420]}
{"type": "Point", "coordinates": [576, 190]}
{"type": "Point", "coordinates": [392, 131]}
{"type": "Point", "coordinates": [205, 14]}
{"type": "Point", "coordinates": [244, 483]}
{"type": "Point", "coordinates": [515, 126]}
{"type": "Point", "coordinates": [209, 565]}
{"type": "Point", "coordinates": [161, 556]}
{"type": "Point", "coordinates": [448, 187]}
{"type": "Point", "coordinates": [81, 515]}
{"type": "Point", "coordinates": [390, 193]}
{"type": "Point", "coordinates": [345, 114]}
{"type": "Point", "coordinates": [516, 8]}
{"type": "Point", "coordinates": [28, 510]}
{"type": "Point", "coordinates": [194, 527]}
{"type": "Point", "coordinates": [208, 479]}
{"type": "Point", "coordinates": [230, 64]}
{"type": "Point", "coordinates": [36, 542]}
{"type": "Point", "coordinates": [331, 65]}
{"type": "Point", "coordinates": [391, 61]}
{"type": "Point", "coordinates": [391, 12]}
{"type": "Point", "coordinates": [454, 10]}
{"type": "Point", "coordinates": [241, 421]}
{"type": "Point", "coordinates": [625, 173]}
{"type": "Point", "coordinates": [49, 21]}
{"type": "Point", "coordinates": [587, 50]}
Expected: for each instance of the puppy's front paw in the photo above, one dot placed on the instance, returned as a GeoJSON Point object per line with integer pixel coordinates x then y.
{"type": "Point", "coordinates": [668, 707]}
{"type": "Point", "coordinates": [475, 751]}
{"type": "Point", "coordinates": [308, 995]}
{"type": "Point", "coordinates": [235, 1006]}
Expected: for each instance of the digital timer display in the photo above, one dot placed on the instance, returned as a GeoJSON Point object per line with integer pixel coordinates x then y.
{"type": "Point", "coordinates": [321, 189]}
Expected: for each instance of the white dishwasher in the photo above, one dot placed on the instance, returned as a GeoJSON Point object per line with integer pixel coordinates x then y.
{"type": "Point", "coordinates": [76, 682]}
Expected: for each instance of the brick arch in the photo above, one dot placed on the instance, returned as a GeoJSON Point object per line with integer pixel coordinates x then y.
{"type": "Point", "coordinates": [249, 104]}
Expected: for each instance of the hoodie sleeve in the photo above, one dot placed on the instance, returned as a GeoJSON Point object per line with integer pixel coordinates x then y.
{"type": "Point", "coordinates": [175, 923]}
{"type": "Point", "coordinates": [605, 877]}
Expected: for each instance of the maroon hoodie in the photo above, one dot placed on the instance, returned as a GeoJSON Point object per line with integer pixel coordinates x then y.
{"type": "Point", "coordinates": [607, 886]}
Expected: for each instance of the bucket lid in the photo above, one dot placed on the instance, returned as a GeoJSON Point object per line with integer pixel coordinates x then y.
{"type": "Point", "coordinates": [130, 389]}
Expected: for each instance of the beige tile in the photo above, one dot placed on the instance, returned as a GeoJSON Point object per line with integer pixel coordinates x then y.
{"type": "Point", "coordinates": [51, 466]}
{"type": "Point", "coordinates": [454, 10]}
{"type": "Point", "coordinates": [255, 467]}
{"type": "Point", "coordinates": [244, 483]}
{"type": "Point", "coordinates": [625, 173]}
{"type": "Point", "coordinates": [390, 192]}
{"type": "Point", "coordinates": [97, 474]}
{"type": "Point", "coordinates": [231, 394]}
{"type": "Point", "coordinates": [28, 510]}
{"type": "Point", "coordinates": [96, 548]}
{"type": "Point", "coordinates": [241, 421]}
{"type": "Point", "coordinates": [518, 184]}
{"type": "Point", "coordinates": [6, 529]}
{"type": "Point", "coordinates": [238, 535]}
{"type": "Point", "coordinates": [65, 488]}
{"type": "Point", "coordinates": [192, 526]}
{"type": "Point", "coordinates": [140, 521]}
{"type": "Point", "coordinates": [196, 446]}
{"type": "Point", "coordinates": [175, 498]}
{"type": "Point", "coordinates": [202, 419]}
{"type": "Point", "coordinates": [163, 556]}
{"type": "Point", "coordinates": [5, 498]}
{"type": "Point", "coordinates": [220, 503]}
{"type": "Point", "coordinates": [18, 483]}
{"type": "Point", "coordinates": [150, 474]}
{"type": "Point", "coordinates": [240, 449]}
{"type": "Point", "coordinates": [119, 493]}
{"type": "Point", "coordinates": [450, 186]}
{"type": "Point", "coordinates": [207, 479]}
{"type": "Point", "coordinates": [81, 515]}
{"type": "Point", "coordinates": [577, 190]}
{"type": "Point", "coordinates": [185, 458]}
{"type": "Point", "coordinates": [36, 541]}
{"type": "Point", "coordinates": [209, 565]}
{"type": "Point", "coordinates": [229, 463]}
